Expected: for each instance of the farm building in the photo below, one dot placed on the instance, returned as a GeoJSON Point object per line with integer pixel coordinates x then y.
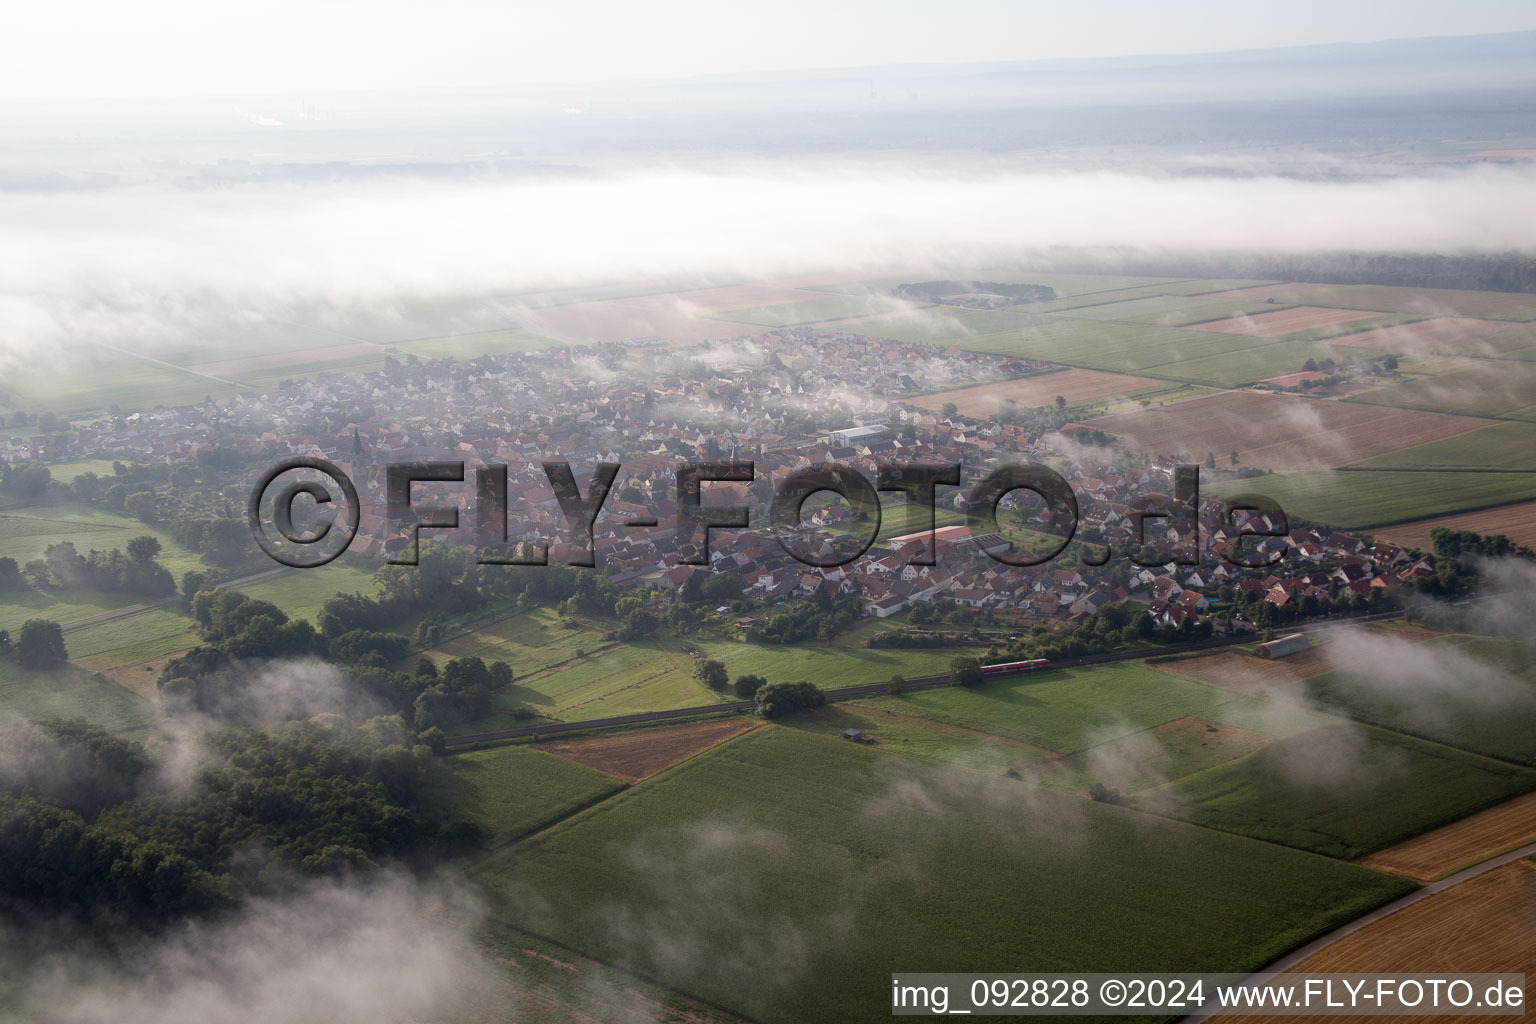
{"type": "Point", "coordinates": [853, 734]}
{"type": "Point", "coordinates": [1294, 643]}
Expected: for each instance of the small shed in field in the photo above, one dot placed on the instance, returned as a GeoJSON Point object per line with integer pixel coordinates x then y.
{"type": "Point", "coordinates": [853, 734]}
{"type": "Point", "coordinates": [1293, 643]}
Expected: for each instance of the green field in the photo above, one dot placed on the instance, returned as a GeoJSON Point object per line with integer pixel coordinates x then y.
{"type": "Point", "coordinates": [70, 692]}
{"type": "Point", "coordinates": [1205, 285]}
{"type": "Point", "coordinates": [1244, 366]}
{"type": "Point", "coordinates": [945, 325]}
{"type": "Point", "coordinates": [511, 791]}
{"type": "Point", "coordinates": [1200, 310]}
{"type": "Point", "coordinates": [1422, 301]}
{"type": "Point", "coordinates": [472, 346]}
{"type": "Point", "coordinates": [827, 307]}
{"type": "Point", "coordinates": [66, 472]}
{"type": "Point", "coordinates": [1065, 709]}
{"type": "Point", "coordinates": [1498, 388]}
{"type": "Point", "coordinates": [923, 738]}
{"type": "Point", "coordinates": [1106, 345]}
{"type": "Point", "coordinates": [573, 674]}
{"type": "Point", "coordinates": [1355, 499]}
{"type": "Point", "coordinates": [88, 379]}
{"type": "Point", "coordinates": [26, 533]}
{"type": "Point", "coordinates": [238, 340]}
{"type": "Point", "coordinates": [1142, 760]}
{"type": "Point", "coordinates": [1343, 790]}
{"type": "Point", "coordinates": [1498, 723]}
{"type": "Point", "coordinates": [843, 662]}
{"type": "Point", "coordinates": [1503, 446]}
{"type": "Point", "coordinates": [785, 875]}
{"type": "Point", "coordinates": [1147, 309]}
{"type": "Point", "coordinates": [269, 379]}
{"type": "Point", "coordinates": [131, 639]}
{"type": "Point", "coordinates": [300, 593]}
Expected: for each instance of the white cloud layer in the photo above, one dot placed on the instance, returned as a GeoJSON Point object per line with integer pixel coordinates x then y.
{"type": "Point", "coordinates": [155, 263]}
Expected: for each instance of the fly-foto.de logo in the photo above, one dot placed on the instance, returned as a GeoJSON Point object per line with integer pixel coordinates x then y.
{"type": "Point", "coordinates": [319, 493]}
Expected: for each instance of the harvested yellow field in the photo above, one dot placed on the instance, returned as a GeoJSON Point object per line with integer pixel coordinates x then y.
{"type": "Point", "coordinates": [1461, 844]}
{"type": "Point", "coordinates": [1485, 925]}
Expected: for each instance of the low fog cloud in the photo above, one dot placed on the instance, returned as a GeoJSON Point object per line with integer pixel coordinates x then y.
{"type": "Point", "coordinates": [148, 264]}
{"type": "Point", "coordinates": [344, 952]}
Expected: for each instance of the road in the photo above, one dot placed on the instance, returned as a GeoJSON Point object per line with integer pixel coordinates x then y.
{"type": "Point", "coordinates": [1322, 942]}
{"type": "Point", "coordinates": [873, 689]}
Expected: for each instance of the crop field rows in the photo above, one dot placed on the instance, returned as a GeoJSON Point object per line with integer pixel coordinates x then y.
{"type": "Point", "coordinates": [693, 862]}
{"type": "Point", "coordinates": [1361, 500]}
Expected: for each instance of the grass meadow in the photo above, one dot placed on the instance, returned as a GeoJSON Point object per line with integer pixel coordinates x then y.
{"type": "Point", "coordinates": [70, 692]}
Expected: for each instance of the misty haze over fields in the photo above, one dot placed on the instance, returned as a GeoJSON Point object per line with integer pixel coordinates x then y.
{"type": "Point", "coordinates": [283, 253]}
{"type": "Point", "coordinates": [141, 219]}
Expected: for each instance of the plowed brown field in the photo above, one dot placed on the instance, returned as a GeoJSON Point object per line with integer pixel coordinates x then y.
{"type": "Point", "coordinates": [1245, 673]}
{"type": "Point", "coordinates": [1487, 924]}
{"type": "Point", "coordinates": [1517, 522]}
{"type": "Point", "coordinates": [1442, 334]}
{"type": "Point", "coordinates": [1281, 431]}
{"type": "Point", "coordinates": [633, 756]}
{"type": "Point", "coordinates": [1461, 844]}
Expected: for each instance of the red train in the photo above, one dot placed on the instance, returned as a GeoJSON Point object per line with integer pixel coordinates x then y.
{"type": "Point", "coordinates": [1007, 667]}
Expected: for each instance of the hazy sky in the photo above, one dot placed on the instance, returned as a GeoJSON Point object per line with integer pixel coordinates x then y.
{"type": "Point", "coordinates": [188, 48]}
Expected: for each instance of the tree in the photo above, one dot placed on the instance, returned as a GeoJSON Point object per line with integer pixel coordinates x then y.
{"type": "Point", "coordinates": [949, 410]}
{"type": "Point", "coordinates": [747, 686]}
{"type": "Point", "coordinates": [1061, 402]}
{"type": "Point", "coordinates": [10, 574]}
{"type": "Point", "coordinates": [143, 549]}
{"type": "Point", "coordinates": [41, 644]}
{"type": "Point", "coordinates": [712, 674]}
{"type": "Point", "coordinates": [1100, 793]}
{"type": "Point", "coordinates": [639, 623]}
{"type": "Point", "coordinates": [779, 699]}
{"type": "Point", "coordinates": [1389, 363]}
{"type": "Point", "coordinates": [141, 505]}
{"type": "Point", "coordinates": [1309, 366]}
{"type": "Point", "coordinates": [897, 686]}
{"type": "Point", "coordinates": [1234, 458]}
{"type": "Point", "coordinates": [226, 541]}
{"type": "Point", "coordinates": [193, 581]}
{"type": "Point", "coordinates": [1210, 460]}
{"type": "Point", "coordinates": [26, 483]}
{"type": "Point", "coordinates": [964, 671]}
